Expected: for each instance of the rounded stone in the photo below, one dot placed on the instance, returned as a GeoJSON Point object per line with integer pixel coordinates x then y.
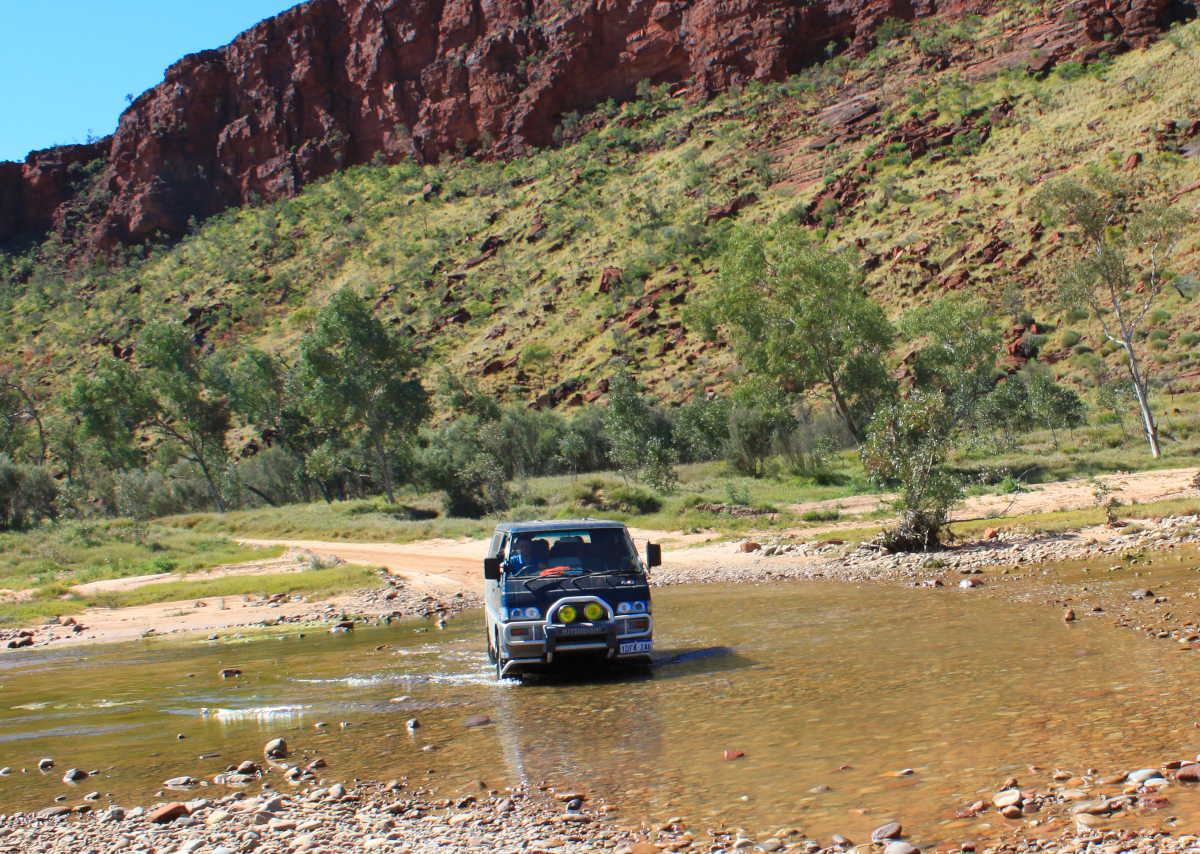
{"type": "Point", "coordinates": [891, 830]}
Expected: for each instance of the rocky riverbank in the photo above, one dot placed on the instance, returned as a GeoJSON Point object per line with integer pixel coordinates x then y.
{"type": "Point", "coordinates": [787, 557]}
{"type": "Point", "coordinates": [1063, 813]}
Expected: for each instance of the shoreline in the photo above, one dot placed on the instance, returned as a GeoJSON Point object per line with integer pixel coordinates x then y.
{"type": "Point", "coordinates": [439, 578]}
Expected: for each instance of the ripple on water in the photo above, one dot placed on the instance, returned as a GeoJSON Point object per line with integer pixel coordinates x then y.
{"type": "Point", "coordinates": [66, 732]}
{"type": "Point", "coordinates": [260, 713]}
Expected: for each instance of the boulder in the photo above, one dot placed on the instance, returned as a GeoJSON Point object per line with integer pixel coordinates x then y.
{"type": "Point", "coordinates": [167, 813]}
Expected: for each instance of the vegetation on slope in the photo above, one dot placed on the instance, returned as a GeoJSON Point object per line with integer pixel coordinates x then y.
{"type": "Point", "coordinates": [581, 274]}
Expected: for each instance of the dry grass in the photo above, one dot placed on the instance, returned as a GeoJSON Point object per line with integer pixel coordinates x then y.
{"type": "Point", "coordinates": [313, 583]}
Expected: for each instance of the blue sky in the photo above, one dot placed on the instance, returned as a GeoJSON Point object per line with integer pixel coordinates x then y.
{"type": "Point", "coordinates": [67, 65]}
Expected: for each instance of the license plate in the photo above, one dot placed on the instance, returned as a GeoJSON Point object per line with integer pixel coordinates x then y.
{"type": "Point", "coordinates": [636, 646]}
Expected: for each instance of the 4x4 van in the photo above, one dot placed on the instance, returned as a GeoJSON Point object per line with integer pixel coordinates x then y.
{"type": "Point", "coordinates": [566, 590]}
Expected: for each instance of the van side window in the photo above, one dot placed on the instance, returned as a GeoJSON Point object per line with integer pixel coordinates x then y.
{"type": "Point", "coordinates": [496, 549]}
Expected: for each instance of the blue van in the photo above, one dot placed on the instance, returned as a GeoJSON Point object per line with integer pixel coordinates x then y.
{"type": "Point", "coordinates": [565, 591]}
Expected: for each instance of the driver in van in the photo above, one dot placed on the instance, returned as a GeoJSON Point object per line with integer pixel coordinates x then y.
{"type": "Point", "coordinates": [524, 555]}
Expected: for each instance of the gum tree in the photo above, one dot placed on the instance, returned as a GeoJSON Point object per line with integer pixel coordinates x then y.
{"type": "Point", "coordinates": [267, 393]}
{"type": "Point", "coordinates": [359, 375]}
{"type": "Point", "coordinates": [798, 315]}
{"type": "Point", "coordinates": [1121, 269]}
{"type": "Point", "coordinates": [178, 394]}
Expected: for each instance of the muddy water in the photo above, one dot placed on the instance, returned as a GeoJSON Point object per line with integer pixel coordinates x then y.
{"type": "Point", "coordinates": [833, 693]}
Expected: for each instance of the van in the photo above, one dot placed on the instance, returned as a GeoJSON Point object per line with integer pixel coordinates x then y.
{"type": "Point", "coordinates": [563, 592]}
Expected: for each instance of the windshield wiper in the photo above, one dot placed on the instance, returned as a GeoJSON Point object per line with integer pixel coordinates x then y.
{"type": "Point", "coordinates": [558, 578]}
{"type": "Point", "coordinates": [624, 571]}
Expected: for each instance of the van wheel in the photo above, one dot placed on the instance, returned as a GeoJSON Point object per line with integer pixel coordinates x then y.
{"type": "Point", "coordinates": [491, 651]}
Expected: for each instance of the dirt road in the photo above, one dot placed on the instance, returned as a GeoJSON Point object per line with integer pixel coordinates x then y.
{"type": "Point", "coordinates": [1073, 494]}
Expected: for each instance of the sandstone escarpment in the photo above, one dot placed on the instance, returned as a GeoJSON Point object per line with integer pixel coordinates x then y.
{"type": "Point", "coordinates": [334, 83]}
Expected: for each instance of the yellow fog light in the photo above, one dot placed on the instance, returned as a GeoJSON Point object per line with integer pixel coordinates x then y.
{"type": "Point", "coordinates": [593, 612]}
{"type": "Point", "coordinates": [567, 614]}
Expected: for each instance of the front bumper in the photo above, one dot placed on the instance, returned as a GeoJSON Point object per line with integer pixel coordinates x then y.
{"type": "Point", "coordinates": [532, 643]}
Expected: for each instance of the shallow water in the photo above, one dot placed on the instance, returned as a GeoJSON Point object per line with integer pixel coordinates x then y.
{"type": "Point", "coordinates": [804, 678]}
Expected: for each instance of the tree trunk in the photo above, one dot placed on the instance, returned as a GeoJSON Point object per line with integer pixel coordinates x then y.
{"type": "Point", "coordinates": [261, 495]}
{"type": "Point", "coordinates": [212, 488]}
{"type": "Point", "coordinates": [212, 484]}
{"type": "Point", "coordinates": [387, 471]}
{"type": "Point", "coordinates": [843, 410]}
{"type": "Point", "coordinates": [1143, 399]}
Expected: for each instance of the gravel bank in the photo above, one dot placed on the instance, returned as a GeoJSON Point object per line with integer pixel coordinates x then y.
{"type": "Point", "coordinates": [1067, 816]}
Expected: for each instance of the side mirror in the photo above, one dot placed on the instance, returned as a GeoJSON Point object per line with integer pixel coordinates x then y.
{"type": "Point", "coordinates": [491, 568]}
{"type": "Point", "coordinates": [653, 554]}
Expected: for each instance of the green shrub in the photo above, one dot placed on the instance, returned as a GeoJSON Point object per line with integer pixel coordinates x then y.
{"type": "Point", "coordinates": [1157, 344]}
{"type": "Point", "coordinates": [831, 514]}
{"type": "Point", "coordinates": [636, 500]}
{"type": "Point", "coordinates": [1159, 335]}
{"type": "Point", "coordinates": [1069, 337]}
{"type": "Point", "coordinates": [1071, 70]}
{"type": "Point", "coordinates": [1189, 339]}
{"type": "Point", "coordinates": [27, 494]}
{"type": "Point", "coordinates": [890, 30]}
{"type": "Point", "coordinates": [1160, 315]}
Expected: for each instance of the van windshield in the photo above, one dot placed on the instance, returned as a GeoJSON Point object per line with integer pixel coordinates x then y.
{"type": "Point", "coordinates": [582, 552]}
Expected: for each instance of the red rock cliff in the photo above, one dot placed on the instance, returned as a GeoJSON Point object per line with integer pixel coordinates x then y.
{"type": "Point", "coordinates": [334, 83]}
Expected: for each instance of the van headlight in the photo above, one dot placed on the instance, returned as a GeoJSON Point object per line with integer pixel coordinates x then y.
{"type": "Point", "coordinates": [624, 608]}
{"type": "Point", "coordinates": [593, 612]}
{"type": "Point", "coordinates": [633, 607]}
{"type": "Point", "coordinates": [524, 614]}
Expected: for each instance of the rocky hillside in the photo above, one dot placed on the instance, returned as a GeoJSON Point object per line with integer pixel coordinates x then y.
{"type": "Point", "coordinates": [919, 153]}
{"type": "Point", "coordinates": [331, 84]}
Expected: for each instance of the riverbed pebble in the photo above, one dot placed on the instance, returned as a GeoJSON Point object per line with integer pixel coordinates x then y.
{"type": "Point", "coordinates": [891, 830]}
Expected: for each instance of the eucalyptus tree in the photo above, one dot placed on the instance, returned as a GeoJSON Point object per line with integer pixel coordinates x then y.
{"type": "Point", "coordinates": [1122, 267]}
{"type": "Point", "coordinates": [358, 376]}
{"type": "Point", "coordinates": [797, 314]}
